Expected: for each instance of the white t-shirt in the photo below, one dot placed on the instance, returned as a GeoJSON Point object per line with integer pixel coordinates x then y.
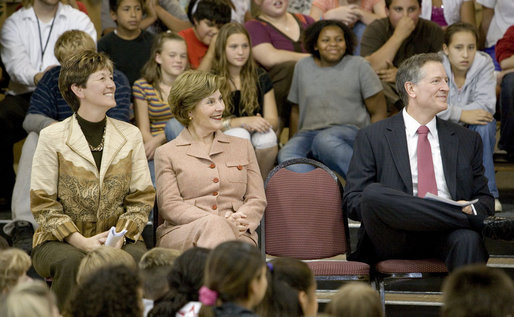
{"type": "Point", "coordinates": [190, 309]}
{"type": "Point", "coordinates": [502, 19]}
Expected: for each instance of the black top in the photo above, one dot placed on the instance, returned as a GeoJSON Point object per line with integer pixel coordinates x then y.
{"type": "Point", "coordinates": [94, 133]}
{"type": "Point", "coordinates": [264, 85]}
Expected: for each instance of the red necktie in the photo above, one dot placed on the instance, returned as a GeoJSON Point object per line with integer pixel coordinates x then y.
{"type": "Point", "coordinates": [426, 175]}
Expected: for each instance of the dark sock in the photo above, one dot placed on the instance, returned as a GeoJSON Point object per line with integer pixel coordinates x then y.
{"type": "Point", "coordinates": [476, 222]}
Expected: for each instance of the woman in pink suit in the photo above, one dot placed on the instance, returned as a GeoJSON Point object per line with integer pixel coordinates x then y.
{"type": "Point", "coordinates": [209, 187]}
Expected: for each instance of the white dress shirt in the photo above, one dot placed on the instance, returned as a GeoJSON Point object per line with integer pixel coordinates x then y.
{"type": "Point", "coordinates": [411, 127]}
{"type": "Point", "coordinates": [21, 48]}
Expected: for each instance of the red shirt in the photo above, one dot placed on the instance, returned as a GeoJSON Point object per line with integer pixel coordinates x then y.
{"type": "Point", "coordinates": [505, 46]}
{"type": "Point", "coordinates": [196, 50]}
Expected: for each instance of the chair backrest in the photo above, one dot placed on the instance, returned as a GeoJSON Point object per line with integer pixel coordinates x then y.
{"type": "Point", "coordinates": [304, 217]}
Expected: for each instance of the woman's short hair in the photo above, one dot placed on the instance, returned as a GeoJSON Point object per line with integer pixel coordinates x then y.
{"type": "Point", "coordinates": [312, 34]}
{"type": "Point", "coordinates": [101, 257]}
{"type": "Point", "coordinates": [71, 42]}
{"type": "Point", "coordinates": [32, 298]}
{"type": "Point", "coordinates": [13, 264]}
{"type": "Point", "coordinates": [189, 89]}
{"type": "Point", "coordinates": [459, 27]}
{"type": "Point", "coordinates": [76, 71]}
{"type": "Point", "coordinates": [355, 300]}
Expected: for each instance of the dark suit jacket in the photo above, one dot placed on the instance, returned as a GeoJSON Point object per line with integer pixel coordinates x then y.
{"type": "Point", "coordinates": [380, 155]}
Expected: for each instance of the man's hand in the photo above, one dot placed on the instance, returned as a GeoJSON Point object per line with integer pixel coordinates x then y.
{"type": "Point", "coordinates": [478, 116]}
{"type": "Point", "coordinates": [388, 74]}
{"type": "Point", "coordinates": [404, 27]}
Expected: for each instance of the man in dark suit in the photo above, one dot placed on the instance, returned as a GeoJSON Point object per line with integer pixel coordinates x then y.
{"type": "Point", "coordinates": [391, 171]}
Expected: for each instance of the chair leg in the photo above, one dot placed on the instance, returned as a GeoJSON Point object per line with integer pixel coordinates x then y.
{"type": "Point", "coordinates": [381, 292]}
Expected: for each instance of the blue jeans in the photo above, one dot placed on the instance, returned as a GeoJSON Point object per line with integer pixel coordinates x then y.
{"type": "Point", "coordinates": [332, 146]}
{"type": "Point", "coordinates": [488, 134]}
{"type": "Point", "coordinates": [172, 129]}
{"type": "Point", "coordinates": [358, 30]}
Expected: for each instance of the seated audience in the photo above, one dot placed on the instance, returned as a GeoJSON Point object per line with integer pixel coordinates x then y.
{"type": "Point", "coordinates": [276, 37]}
{"type": "Point", "coordinates": [209, 186]}
{"type": "Point", "coordinates": [397, 161]}
{"type": "Point", "coordinates": [207, 17]}
{"type": "Point", "coordinates": [163, 15]}
{"type": "Point", "coordinates": [291, 290]}
{"type": "Point", "coordinates": [356, 14]}
{"type": "Point", "coordinates": [389, 41]}
{"type": "Point", "coordinates": [355, 300]}
{"type": "Point", "coordinates": [251, 111]}
{"type": "Point", "coordinates": [233, 287]}
{"type": "Point", "coordinates": [496, 17]}
{"type": "Point", "coordinates": [184, 280]}
{"type": "Point", "coordinates": [77, 194]}
{"type": "Point", "coordinates": [167, 60]}
{"type": "Point", "coordinates": [32, 298]}
{"type": "Point", "coordinates": [14, 264]}
{"type": "Point", "coordinates": [101, 257]}
{"type": "Point", "coordinates": [447, 12]}
{"type": "Point", "coordinates": [26, 60]}
{"type": "Point", "coordinates": [337, 95]}
{"type": "Point", "coordinates": [505, 56]}
{"type": "Point", "coordinates": [477, 291]}
{"type": "Point", "coordinates": [47, 106]}
{"type": "Point", "coordinates": [154, 267]}
{"type": "Point", "coordinates": [128, 46]}
{"type": "Point", "coordinates": [111, 291]}
{"type": "Point", "coordinates": [472, 95]}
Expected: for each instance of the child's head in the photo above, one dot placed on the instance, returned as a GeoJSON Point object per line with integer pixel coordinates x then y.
{"type": "Point", "coordinates": [322, 34]}
{"type": "Point", "coordinates": [460, 45]}
{"type": "Point", "coordinates": [233, 49]}
{"type": "Point", "coordinates": [127, 14]}
{"type": "Point", "coordinates": [207, 17]}
{"type": "Point", "coordinates": [477, 290]}
{"type": "Point", "coordinates": [113, 291]}
{"type": "Point", "coordinates": [292, 289]}
{"type": "Point", "coordinates": [355, 299]}
{"type": "Point", "coordinates": [168, 58]}
{"type": "Point", "coordinates": [14, 264]}
{"type": "Point", "coordinates": [154, 266]}
{"type": "Point", "coordinates": [102, 257]}
{"type": "Point", "coordinates": [76, 71]}
{"type": "Point", "coordinates": [235, 272]}
{"type": "Point", "coordinates": [33, 298]}
{"type": "Point", "coordinates": [71, 42]}
{"type": "Point", "coordinates": [184, 280]}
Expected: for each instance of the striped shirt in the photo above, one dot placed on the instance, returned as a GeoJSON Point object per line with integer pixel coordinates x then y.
{"type": "Point", "coordinates": [159, 112]}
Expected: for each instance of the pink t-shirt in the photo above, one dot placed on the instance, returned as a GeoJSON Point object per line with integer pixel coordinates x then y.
{"type": "Point", "coordinates": [326, 5]}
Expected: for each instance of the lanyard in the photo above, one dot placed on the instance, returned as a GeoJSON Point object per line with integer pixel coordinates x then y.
{"type": "Point", "coordinates": [43, 49]}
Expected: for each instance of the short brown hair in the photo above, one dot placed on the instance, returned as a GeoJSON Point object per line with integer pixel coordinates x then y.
{"type": "Point", "coordinates": [189, 89]}
{"type": "Point", "coordinates": [355, 299]}
{"type": "Point", "coordinates": [71, 42]}
{"type": "Point", "coordinates": [76, 71]}
{"type": "Point", "coordinates": [477, 290]}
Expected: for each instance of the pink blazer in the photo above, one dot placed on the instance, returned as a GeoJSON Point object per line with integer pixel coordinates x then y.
{"type": "Point", "coordinates": [191, 185]}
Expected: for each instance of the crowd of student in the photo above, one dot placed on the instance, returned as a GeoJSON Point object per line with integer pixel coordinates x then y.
{"type": "Point", "coordinates": [204, 139]}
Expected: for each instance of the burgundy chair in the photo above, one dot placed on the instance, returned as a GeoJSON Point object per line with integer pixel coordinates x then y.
{"type": "Point", "coordinates": [388, 270]}
{"type": "Point", "coordinates": [304, 219]}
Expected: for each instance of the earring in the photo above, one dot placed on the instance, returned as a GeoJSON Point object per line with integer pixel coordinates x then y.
{"type": "Point", "coordinates": [190, 118]}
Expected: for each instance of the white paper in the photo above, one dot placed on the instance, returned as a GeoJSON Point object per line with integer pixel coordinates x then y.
{"type": "Point", "coordinates": [449, 201]}
{"type": "Point", "coordinates": [114, 237]}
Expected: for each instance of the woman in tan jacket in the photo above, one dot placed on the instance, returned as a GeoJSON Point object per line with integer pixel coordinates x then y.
{"type": "Point", "coordinates": [89, 174]}
{"type": "Point", "coordinates": [209, 187]}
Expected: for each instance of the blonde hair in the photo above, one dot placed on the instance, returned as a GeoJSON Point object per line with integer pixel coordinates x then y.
{"type": "Point", "coordinates": [13, 264]}
{"type": "Point", "coordinates": [249, 77]}
{"type": "Point", "coordinates": [355, 300]}
{"type": "Point", "coordinates": [189, 89]}
{"type": "Point", "coordinates": [76, 71]}
{"type": "Point", "coordinates": [31, 298]}
{"type": "Point", "coordinates": [71, 42]}
{"type": "Point", "coordinates": [102, 257]}
{"type": "Point", "coordinates": [151, 71]}
{"type": "Point", "coordinates": [158, 257]}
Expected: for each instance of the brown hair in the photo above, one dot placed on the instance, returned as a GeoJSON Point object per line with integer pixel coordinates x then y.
{"type": "Point", "coordinates": [249, 77]}
{"type": "Point", "coordinates": [71, 42]}
{"type": "Point", "coordinates": [76, 71]}
{"type": "Point", "coordinates": [13, 264]}
{"type": "Point", "coordinates": [102, 257]}
{"type": "Point", "coordinates": [459, 27]}
{"type": "Point", "coordinates": [477, 290]}
{"type": "Point", "coordinates": [355, 300]}
{"type": "Point", "coordinates": [189, 89]}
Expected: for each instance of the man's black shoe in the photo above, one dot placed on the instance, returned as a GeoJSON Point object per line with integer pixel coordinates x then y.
{"type": "Point", "coordinates": [22, 236]}
{"type": "Point", "coordinates": [499, 228]}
